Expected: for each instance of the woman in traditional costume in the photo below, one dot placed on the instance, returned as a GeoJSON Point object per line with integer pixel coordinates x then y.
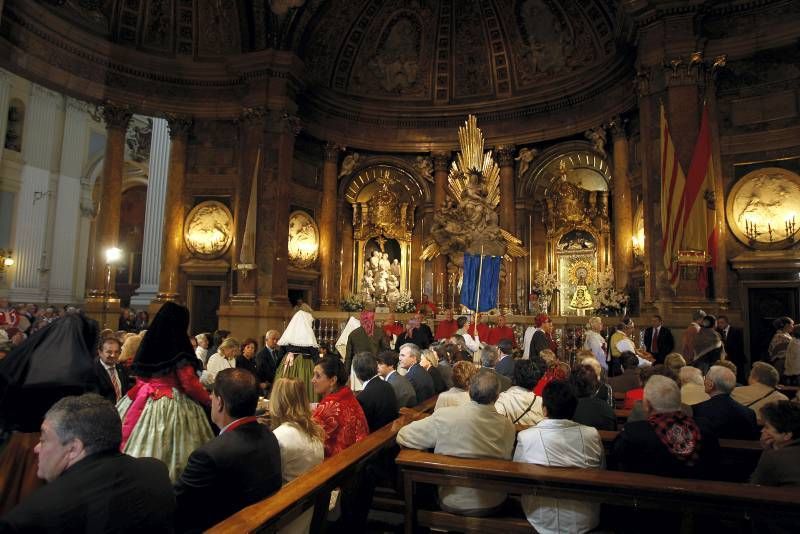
{"type": "Point", "coordinates": [300, 351]}
{"type": "Point", "coordinates": [55, 362]}
{"type": "Point", "coordinates": [162, 415]}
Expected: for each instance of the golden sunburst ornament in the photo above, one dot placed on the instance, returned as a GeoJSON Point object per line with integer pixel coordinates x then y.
{"type": "Point", "coordinates": [581, 272]}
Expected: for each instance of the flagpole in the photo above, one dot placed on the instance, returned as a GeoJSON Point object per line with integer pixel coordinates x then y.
{"type": "Point", "coordinates": [478, 292]}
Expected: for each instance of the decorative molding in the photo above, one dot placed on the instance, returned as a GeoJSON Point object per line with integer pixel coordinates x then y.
{"type": "Point", "coordinates": [253, 116]}
{"type": "Point", "coordinates": [116, 116]}
{"type": "Point", "coordinates": [332, 150]}
{"type": "Point", "coordinates": [441, 161]}
{"type": "Point", "coordinates": [291, 123]}
{"type": "Point", "coordinates": [617, 125]}
{"type": "Point", "coordinates": [505, 155]}
{"type": "Point", "coordinates": [178, 125]}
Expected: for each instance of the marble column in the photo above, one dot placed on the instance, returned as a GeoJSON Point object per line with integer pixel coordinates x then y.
{"type": "Point", "coordinates": [508, 222]}
{"type": "Point", "coordinates": [65, 255]}
{"type": "Point", "coordinates": [329, 286]}
{"type": "Point", "coordinates": [40, 144]}
{"type": "Point", "coordinates": [622, 201]}
{"type": "Point", "coordinates": [108, 209]}
{"type": "Point", "coordinates": [272, 234]}
{"type": "Point", "coordinates": [441, 162]}
{"type": "Point", "coordinates": [158, 168]}
{"type": "Point", "coordinates": [174, 210]}
{"type": "Point", "coordinates": [284, 133]}
{"type": "Point", "coordinates": [5, 95]}
{"type": "Point", "coordinates": [721, 288]}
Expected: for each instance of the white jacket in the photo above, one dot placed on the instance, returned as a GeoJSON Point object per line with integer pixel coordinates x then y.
{"type": "Point", "coordinates": [560, 443]}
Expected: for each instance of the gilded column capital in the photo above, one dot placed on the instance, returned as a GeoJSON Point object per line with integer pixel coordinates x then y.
{"type": "Point", "coordinates": [252, 116]}
{"type": "Point", "coordinates": [643, 81]}
{"type": "Point", "coordinates": [332, 150]}
{"type": "Point", "coordinates": [441, 160]}
{"type": "Point", "coordinates": [505, 155]}
{"type": "Point", "coordinates": [179, 125]}
{"type": "Point", "coordinates": [291, 123]}
{"type": "Point", "coordinates": [617, 125]}
{"type": "Point", "coordinates": [116, 116]}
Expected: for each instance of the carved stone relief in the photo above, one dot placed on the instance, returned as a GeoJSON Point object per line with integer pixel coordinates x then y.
{"type": "Point", "coordinates": [208, 230]}
{"type": "Point", "coordinates": [395, 52]}
{"type": "Point", "coordinates": [471, 70]}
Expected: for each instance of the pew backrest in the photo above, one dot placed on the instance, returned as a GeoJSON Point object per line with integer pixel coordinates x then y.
{"type": "Point", "coordinates": [313, 488]}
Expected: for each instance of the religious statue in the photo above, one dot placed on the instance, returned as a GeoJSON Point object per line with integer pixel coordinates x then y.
{"type": "Point", "coordinates": [380, 284]}
{"type": "Point", "coordinates": [580, 273]}
{"type": "Point", "coordinates": [349, 164]}
{"type": "Point", "coordinates": [581, 299]}
{"type": "Point", "coordinates": [424, 166]}
{"type": "Point", "coordinates": [598, 138]}
{"type": "Point", "coordinates": [570, 198]}
{"type": "Point", "coordinates": [525, 158]}
{"type": "Point", "coordinates": [467, 220]}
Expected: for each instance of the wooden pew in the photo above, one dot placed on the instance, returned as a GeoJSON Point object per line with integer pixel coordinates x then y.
{"type": "Point", "coordinates": [313, 488]}
{"type": "Point", "coordinates": [723, 499]}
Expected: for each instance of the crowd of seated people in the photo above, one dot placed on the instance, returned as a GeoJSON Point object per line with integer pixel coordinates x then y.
{"type": "Point", "coordinates": [211, 383]}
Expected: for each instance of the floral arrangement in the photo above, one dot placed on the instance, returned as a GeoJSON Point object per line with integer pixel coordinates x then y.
{"type": "Point", "coordinates": [608, 299]}
{"type": "Point", "coordinates": [545, 284]}
{"type": "Point", "coordinates": [405, 304]}
{"type": "Point", "coordinates": [352, 303]}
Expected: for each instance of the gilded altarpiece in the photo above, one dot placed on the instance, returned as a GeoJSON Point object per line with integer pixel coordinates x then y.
{"type": "Point", "coordinates": [383, 199]}
{"type": "Point", "coordinates": [578, 237]}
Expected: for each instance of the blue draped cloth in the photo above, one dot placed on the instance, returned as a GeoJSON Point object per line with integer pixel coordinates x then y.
{"type": "Point", "coordinates": [489, 282]}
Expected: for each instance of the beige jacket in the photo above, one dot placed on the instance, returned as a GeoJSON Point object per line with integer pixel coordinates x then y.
{"type": "Point", "coordinates": [469, 431]}
{"type": "Point", "coordinates": [755, 396]}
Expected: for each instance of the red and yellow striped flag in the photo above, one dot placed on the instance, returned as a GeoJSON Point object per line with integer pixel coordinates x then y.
{"type": "Point", "coordinates": [673, 182]}
{"type": "Point", "coordinates": [699, 197]}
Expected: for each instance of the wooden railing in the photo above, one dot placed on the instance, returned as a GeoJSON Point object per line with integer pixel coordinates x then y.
{"type": "Point", "coordinates": [313, 488]}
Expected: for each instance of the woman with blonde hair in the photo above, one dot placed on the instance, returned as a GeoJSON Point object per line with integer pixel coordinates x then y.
{"type": "Point", "coordinates": [674, 361]}
{"type": "Point", "coordinates": [224, 358]}
{"type": "Point", "coordinates": [429, 361]}
{"type": "Point", "coordinates": [300, 437]}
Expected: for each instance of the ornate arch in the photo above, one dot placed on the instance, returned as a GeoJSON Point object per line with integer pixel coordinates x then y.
{"type": "Point", "coordinates": [579, 155]}
{"type": "Point", "coordinates": [366, 172]}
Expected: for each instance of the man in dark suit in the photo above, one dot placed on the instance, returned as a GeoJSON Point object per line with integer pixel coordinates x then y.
{"type": "Point", "coordinates": [488, 362]}
{"type": "Point", "coordinates": [727, 418]}
{"type": "Point", "coordinates": [419, 377]}
{"type": "Point", "coordinates": [239, 467]}
{"type": "Point", "coordinates": [658, 339]}
{"type": "Point", "coordinates": [377, 399]}
{"type": "Point", "coordinates": [403, 390]}
{"type": "Point", "coordinates": [505, 365]}
{"type": "Point", "coordinates": [92, 487]}
{"type": "Point", "coordinates": [267, 359]}
{"type": "Point", "coordinates": [112, 378]}
{"type": "Point", "coordinates": [733, 342]}
{"type": "Point", "coordinates": [645, 446]}
{"type": "Point", "coordinates": [629, 379]}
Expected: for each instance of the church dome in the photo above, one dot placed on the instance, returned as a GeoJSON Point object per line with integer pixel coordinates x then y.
{"type": "Point", "coordinates": [373, 73]}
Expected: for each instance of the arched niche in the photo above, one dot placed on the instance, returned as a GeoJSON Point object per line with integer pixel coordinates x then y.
{"type": "Point", "coordinates": [394, 226]}
{"type": "Point", "coordinates": [586, 168]}
{"type": "Point", "coordinates": [566, 189]}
